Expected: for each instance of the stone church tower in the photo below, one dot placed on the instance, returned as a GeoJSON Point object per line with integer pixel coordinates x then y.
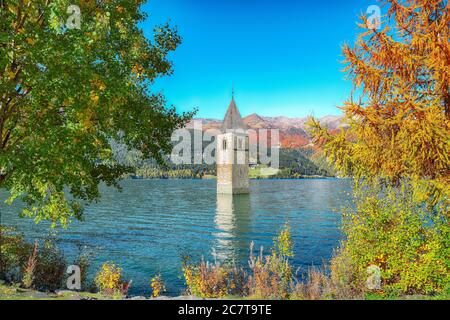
{"type": "Point", "coordinates": [232, 154]}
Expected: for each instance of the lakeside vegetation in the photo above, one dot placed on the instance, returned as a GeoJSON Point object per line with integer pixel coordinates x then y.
{"type": "Point", "coordinates": [55, 137]}
{"type": "Point", "coordinates": [397, 149]}
{"type": "Point", "coordinates": [269, 274]}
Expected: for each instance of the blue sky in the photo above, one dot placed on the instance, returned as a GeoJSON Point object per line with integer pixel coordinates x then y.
{"type": "Point", "coordinates": [282, 56]}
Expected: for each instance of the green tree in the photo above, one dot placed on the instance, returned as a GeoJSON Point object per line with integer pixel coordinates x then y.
{"type": "Point", "coordinates": [66, 92]}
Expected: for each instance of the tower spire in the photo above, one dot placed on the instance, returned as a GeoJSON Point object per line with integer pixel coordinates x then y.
{"type": "Point", "coordinates": [233, 119]}
{"type": "Point", "coordinates": [232, 152]}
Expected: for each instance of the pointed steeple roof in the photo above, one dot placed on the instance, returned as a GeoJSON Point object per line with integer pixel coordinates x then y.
{"type": "Point", "coordinates": [233, 119]}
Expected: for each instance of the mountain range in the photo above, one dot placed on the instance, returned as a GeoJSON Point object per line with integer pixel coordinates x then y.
{"type": "Point", "coordinates": [293, 133]}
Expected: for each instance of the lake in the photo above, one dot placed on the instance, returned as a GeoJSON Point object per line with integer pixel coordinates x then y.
{"type": "Point", "coordinates": [149, 226]}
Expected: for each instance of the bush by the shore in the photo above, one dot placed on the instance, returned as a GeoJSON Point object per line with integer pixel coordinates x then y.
{"type": "Point", "coordinates": [269, 275]}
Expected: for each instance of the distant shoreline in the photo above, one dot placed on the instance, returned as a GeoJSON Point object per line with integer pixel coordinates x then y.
{"type": "Point", "coordinates": [251, 179]}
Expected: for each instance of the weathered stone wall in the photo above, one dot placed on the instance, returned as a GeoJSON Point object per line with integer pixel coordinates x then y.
{"type": "Point", "coordinates": [240, 179]}
{"type": "Point", "coordinates": [224, 178]}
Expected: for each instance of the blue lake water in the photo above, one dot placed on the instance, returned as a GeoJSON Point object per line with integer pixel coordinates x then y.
{"type": "Point", "coordinates": [151, 224]}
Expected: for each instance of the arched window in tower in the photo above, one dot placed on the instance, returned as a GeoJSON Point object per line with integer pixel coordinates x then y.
{"type": "Point", "coordinates": [224, 144]}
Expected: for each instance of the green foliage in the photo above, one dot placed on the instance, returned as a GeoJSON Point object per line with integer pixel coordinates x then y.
{"type": "Point", "coordinates": [302, 163]}
{"type": "Point", "coordinates": [297, 167]}
{"type": "Point", "coordinates": [14, 254]}
{"type": "Point", "coordinates": [294, 164]}
{"type": "Point", "coordinates": [160, 173]}
{"type": "Point", "coordinates": [283, 243]}
{"type": "Point", "coordinates": [408, 241]}
{"type": "Point", "coordinates": [65, 93]}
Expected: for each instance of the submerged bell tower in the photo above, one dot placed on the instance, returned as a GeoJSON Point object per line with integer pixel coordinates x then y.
{"type": "Point", "coordinates": [232, 154]}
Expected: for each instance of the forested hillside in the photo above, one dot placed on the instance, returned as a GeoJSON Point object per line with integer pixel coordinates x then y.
{"type": "Point", "coordinates": [294, 163]}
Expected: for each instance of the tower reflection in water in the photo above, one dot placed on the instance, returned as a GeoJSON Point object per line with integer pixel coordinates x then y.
{"type": "Point", "coordinates": [233, 226]}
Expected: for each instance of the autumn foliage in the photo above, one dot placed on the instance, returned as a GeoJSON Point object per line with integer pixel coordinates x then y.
{"type": "Point", "coordinates": [400, 122]}
{"type": "Point", "coordinates": [398, 145]}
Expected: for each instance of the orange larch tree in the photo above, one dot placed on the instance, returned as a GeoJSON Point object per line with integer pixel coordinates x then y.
{"type": "Point", "coordinates": [397, 148]}
{"type": "Point", "coordinates": [400, 120]}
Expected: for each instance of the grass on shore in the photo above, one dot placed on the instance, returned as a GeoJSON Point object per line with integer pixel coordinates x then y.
{"type": "Point", "coordinates": [11, 292]}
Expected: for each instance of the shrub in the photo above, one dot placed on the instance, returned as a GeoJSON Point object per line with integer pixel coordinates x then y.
{"type": "Point", "coordinates": [157, 285]}
{"type": "Point", "coordinates": [50, 267]}
{"type": "Point", "coordinates": [206, 280]}
{"type": "Point", "coordinates": [83, 260]}
{"type": "Point", "coordinates": [109, 280]}
{"type": "Point", "coordinates": [408, 241]}
{"type": "Point", "coordinates": [270, 276]}
{"type": "Point", "coordinates": [317, 286]}
{"type": "Point", "coordinates": [283, 243]}
{"type": "Point", "coordinates": [238, 281]}
{"type": "Point", "coordinates": [41, 267]}
{"type": "Point", "coordinates": [28, 274]}
{"type": "Point", "coordinates": [347, 281]}
{"type": "Point", "coordinates": [14, 254]}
